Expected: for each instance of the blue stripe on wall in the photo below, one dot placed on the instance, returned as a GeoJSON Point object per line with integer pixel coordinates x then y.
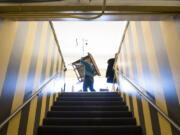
{"type": "Point", "coordinates": [30, 80]}
{"type": "Point", "coordinates": [131, 49]}
{"type": "Point", "coordinates": [127, 72]}
{"type": "Point", "coordinates": [145, 65]}
{"type": "Point", "coordinates": [42, 79]}
{"type": "Point", "coordinates": [165, 72]}
{"type": "Point", "coordinates": [57, 62]}
{"type": "Point", "coordinates": [147, 79]}
{"type": "Point", "coordinates": [61, 72]}
{"type": "Point", "coordinates": [52, 58]}
{"type": "Point", "coordinates": [1, 23]}
{"type": "Point", "coordinates": [31, 74]}
{"type": "Point", "coordinates": [12, 71]}
{"type": "Point", "coordinates": [126, 68]}
{"type": "Point", "coordinates": [135, 76]}
{"type": "Point", "coordinates": [125, 59]}
{"type": "Point", "coordinates": [121, 69]}
{"type": "Point", "coordinates": [177, 22]}
{"type": "Point", "coordinates": [140, 113]}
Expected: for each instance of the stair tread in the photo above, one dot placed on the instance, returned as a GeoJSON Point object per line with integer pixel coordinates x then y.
{"type": "Point", "coordinates": [88, 93]}
{"type": "Point", "coordinates": [128, 126]}
{"type": "Point", "coordinates": [98, 118]}
{"type": "Point", "coordinates": [90, 130]}
{"type": "Point", "coordinates": [107, 103]}
{"type": "Point", "coordinates": [89, 121]}
{"type": "Point", "coordinates": [86, 102]}
{"type": "Point", "coordinates": [89, 106]}
{"type": "Point", "coordinates": [90, 112]}
{"type": "Point", "coordinates": [95, 113]}
{"type": "Point", "coordinates": [88, 99]}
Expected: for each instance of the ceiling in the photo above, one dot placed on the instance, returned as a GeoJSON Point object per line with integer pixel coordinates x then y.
{"type": "Point", "coordinates": [81, 9]}
{"type": "Point", "coordinates": [101, 39]}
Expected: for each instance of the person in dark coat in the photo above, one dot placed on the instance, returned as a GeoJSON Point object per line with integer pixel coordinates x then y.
{"type": "Point", "coordinates": [110, 71]}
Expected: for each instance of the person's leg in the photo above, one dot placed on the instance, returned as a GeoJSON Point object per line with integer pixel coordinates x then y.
{"type": "Point", "coordinates": [91, 85]}
{"type": "Point", "coordinates": [88, 82]}
{"type": "Point", "coordinates": [85, 85]}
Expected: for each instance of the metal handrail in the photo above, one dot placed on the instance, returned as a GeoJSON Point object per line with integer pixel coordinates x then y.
{"type": "Point", "coordinates": [149, 101]}
{"type": "Point", "coordinates": [140, 90]}
{"type": "Point", "coordinates": [28, 101]}
{"type": "Point", "coordinates": [57, 42]}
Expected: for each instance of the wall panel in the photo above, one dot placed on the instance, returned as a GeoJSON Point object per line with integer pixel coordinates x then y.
{"type": "Point", "coordinates": [155, 76]}
{"type": "Point", "coordinates": [22, 78]}
{"type": "Point", "coordinates": [0, 24]}
{"type": "Point", "coordinates": [151, 51]}
{"type": "Point", "coordinates": [29, 57]}
{"type": "Point", "coordinates": [6, 45]}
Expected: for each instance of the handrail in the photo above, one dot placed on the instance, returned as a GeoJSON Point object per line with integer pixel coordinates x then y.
{"type": "Point", "coordinates": [24, 104]}
{"type": "Point", "coordinates": [138, 89]}
{"type": "Point", "coordinates": [121, 43]}
{"type": "Point", "coordinates": [123, 36]}
{"type": "Point", "coordinates": [149, 101]}
{"type": "Point", "coordinates": [56, 39]}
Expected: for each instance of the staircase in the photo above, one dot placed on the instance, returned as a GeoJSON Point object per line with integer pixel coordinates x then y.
{"type": "Point", "coordinates": [94, 113]}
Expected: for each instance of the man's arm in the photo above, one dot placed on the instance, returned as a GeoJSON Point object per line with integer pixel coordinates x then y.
{"type": "Point", "coordinates": [84, 62]}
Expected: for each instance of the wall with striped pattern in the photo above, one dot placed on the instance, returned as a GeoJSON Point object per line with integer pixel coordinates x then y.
{"type": "Point", "coordinates": [149, 57]}
{"type": "Point", "coordinates": [28, 57]}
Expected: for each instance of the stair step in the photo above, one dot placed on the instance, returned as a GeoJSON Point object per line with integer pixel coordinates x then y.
{"type": "Point", "coordinates": [89, 121]}
{"type": "Point", "coordinates": [94, 103]}
{"type": "Point", "coordinates": [89, 114]}
{"type": "Point", "coordinates": [89, 130]}
{"type": "Point", "coordinates": [87, 94]}
{"type": "Point", "coordinates": [89, 108]}
{"type": "Point", "coordinates": [94, 113]}
{"type": "Point", "coordinates": [89, 99]}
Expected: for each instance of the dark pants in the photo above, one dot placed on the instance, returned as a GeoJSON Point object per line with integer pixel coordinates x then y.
{"type": "Point", "coordinates": [88, 83]}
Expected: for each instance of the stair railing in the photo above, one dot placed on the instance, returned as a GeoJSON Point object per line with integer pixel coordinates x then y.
{"type": "Point", "coordinates": [41, 88]}
{"type": "Point", "coordinates": [139, 89]}
{"type": "Point", "coordinates": [28, 101]}
{"type": "Point", "coordinates": [158, 109]}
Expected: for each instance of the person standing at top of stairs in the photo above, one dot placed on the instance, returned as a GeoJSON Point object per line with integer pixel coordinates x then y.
{"type": "Point", "coordinates": [88, 75]}
{"type": "Point", "coordinates": [110, 71]}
